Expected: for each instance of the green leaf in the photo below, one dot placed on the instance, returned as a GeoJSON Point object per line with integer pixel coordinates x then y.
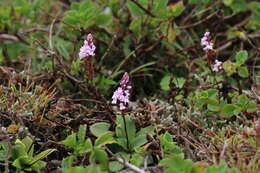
{"type": "Point", "coordinates": [178, 164]}
{"type": "Point", "coordinates": [165, 83]}
{"type": "Point", "coordinates": [82, 133]}
{"type": "Point", "coordinates": [213, 105]}
{"type": "Point", "coordinates": [177, 9]}
{"type": "Point", "coordinates": [229, 67]}
{"type": "Point", "coordinates": [98, 129]}
{"type": "Point", "coordinates": [19, 150]}
{"type": "Point", "coordinates": [228, 110]}
{"type": "Point", "coordinates": [28, 142]}
{"type": "Point", "coordinates": [160, 4]}
{"type": "Point", "coordinates": [149, 130]}
{"type": "Point", "coordinates": [21, 162]}
{"type": "Point", "coordinates": [105, 139]}
{"type": "Point", "coordinates": [130, 126]}
{"type": "Point", "coordinates": [134, 9]}
{"type": "Point", "coordinates": [83, 148]}
{"type": "Point", "coordinates": [243, 100]}
{"type": "Point", "coordinates": [94, 169]}
{"type": "Point", "coordinates": [179, 82]}
{"type": "Point", "coordinates": [243, 72]}
{"type": "Point", "coordinates": [241, 57]}
{"type": "Point", "coordinates": [136, 25]}
{"type": "Point", "coordinates": [169, 147]}
{"type": "Point", "coordinates": [4, 151]}
{"type": "Point", "coordinates": [70, 141]}
{"type": "Point", "coordinates": [212, 93]}
{"type": "Point", "coordinates": [251, 107]}
{"type": "Point", "coordinates": [67, 162]}
{"type": "Point", "coordinates": [239, 5]}
{"type": "Point", "coordinates": [115, 166]}
{"type": "Point", "coordinates": [78, 169]}
{"type": "Point", "coordinates": [138, 141]}
{"type": "Point", "coordinates": [99, 155]}
{"type": "Point", "coordinates": [227, 2]}
{"type": "Point", "coordinates": [37, 167]}
{"type": "Point", "coordinates": [104, 19]}
{"type": "Point", "coordinates": [41, 155]}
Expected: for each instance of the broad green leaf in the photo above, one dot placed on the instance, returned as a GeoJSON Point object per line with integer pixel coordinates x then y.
{"type": "Point", "coordinates": [137, 159]}
{"type": "Point", "coordinates": [165, 83]}
{"type": "Point", "coordinates": [105, 139]}
{"type": "Point", "coordinates": [94, 169]}
{"type": "Point", "coordinates": [115, 166]}
{"type": "Point", "coordinates": [78, 169]}
{"type": "Point", "coordinates": [228, 110]}
{"type": "Point", "coordinates": [212, 93]}
{"type": "Point", "coordinates": [138, 141]}
{"type": "Point", "coordinates": [243, 72]}
{"type": "Point", "coordinates": [160, 4]}
{"type": "Point", "coordinates": [177, 9]}
{"type": "Point", "coordinates": [19, 150]}
{"type": "Point", "coordinates": [227, 2]}
{"type": "Point", "coordinates": [21, 162]}
{"type": "Point", "coordinates": [239, 5]}
{"type": "Point", "coordinates": [84, 147]}
{"type": "Point", "coordinates": [149, 130]}
{"type": "Point", "coordinates": [99, 155]}
{"type": "Point", "coordinates": [28, 142]}
{"type": "Point", "coordinates": [37, 167]}
{"type": "Point", "coordinates": [67, 162]}
{"type": "Point", "coordinates": [134, 9]}
{"type": "Point", "coordinates": [130, 126]}
{"type": "Point", "coordinates": [178, 164]}
{"type": "Point", "coordinates": [251, 107]}
{"type": "Point", "coordinates": [213, 105]}
{"type": "Point", "coordinates": [70, 141]}
{"type": "Point", "coordinates": [243, 100]}
{"type": "Point", "coordinates": [179, 82]}
{"type": "Point", "coordinates": [229, 67]}
{"type": "Point", "coordinates": [241, 57]}
{"type": "Point", "coordinates": [136, 25]}
{"type": "Point", "coordinates": [98, 129]}
{"type": "Point", "coordinates": [104, 19]}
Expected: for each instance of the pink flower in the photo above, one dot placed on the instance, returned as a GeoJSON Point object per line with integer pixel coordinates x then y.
{"type": "Point", "coordinates": [88, 49]}
{"type": "Point", "coordinates": [122, 94]}
{"type": "Point", "coordinates": [217, 66]}
{"type": "Point", "coordinates": [206, 43]}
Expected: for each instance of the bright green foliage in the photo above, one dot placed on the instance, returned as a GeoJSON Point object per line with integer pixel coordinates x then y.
{"type": "Point", "coordinates": [209, 98]}
{"type": "Point", "coordinates": [4, 151]}
{"type": "Point", "coordinates": [238, 66]}
{"type": "Point", "coordinates": [98, 129]}
{"type": "Point", "coordinates": [86, 14]}
{"type": "Point", "coordinates": [223, 168]}
{"type": "Point", "coordinates": [169, 148]}
{"type": "Point", "coordinates": [165, 83]}
{"type": "Point", "coordinates": [82, 146]}
{"type": "Point", "coordinates": [177, 164]}
{"type": "Point", "coordinates": [167, 80]}
{"type": "Point", "coordinates": [129, 139]}
{"type": "Point", "coordinates": [23, 158]}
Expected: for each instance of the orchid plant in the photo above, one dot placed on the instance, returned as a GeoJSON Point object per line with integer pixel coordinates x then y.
{"type": "Point", "coordinates": [86, 52]}
{"type": "Point", "coordinates": [207, 45]}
